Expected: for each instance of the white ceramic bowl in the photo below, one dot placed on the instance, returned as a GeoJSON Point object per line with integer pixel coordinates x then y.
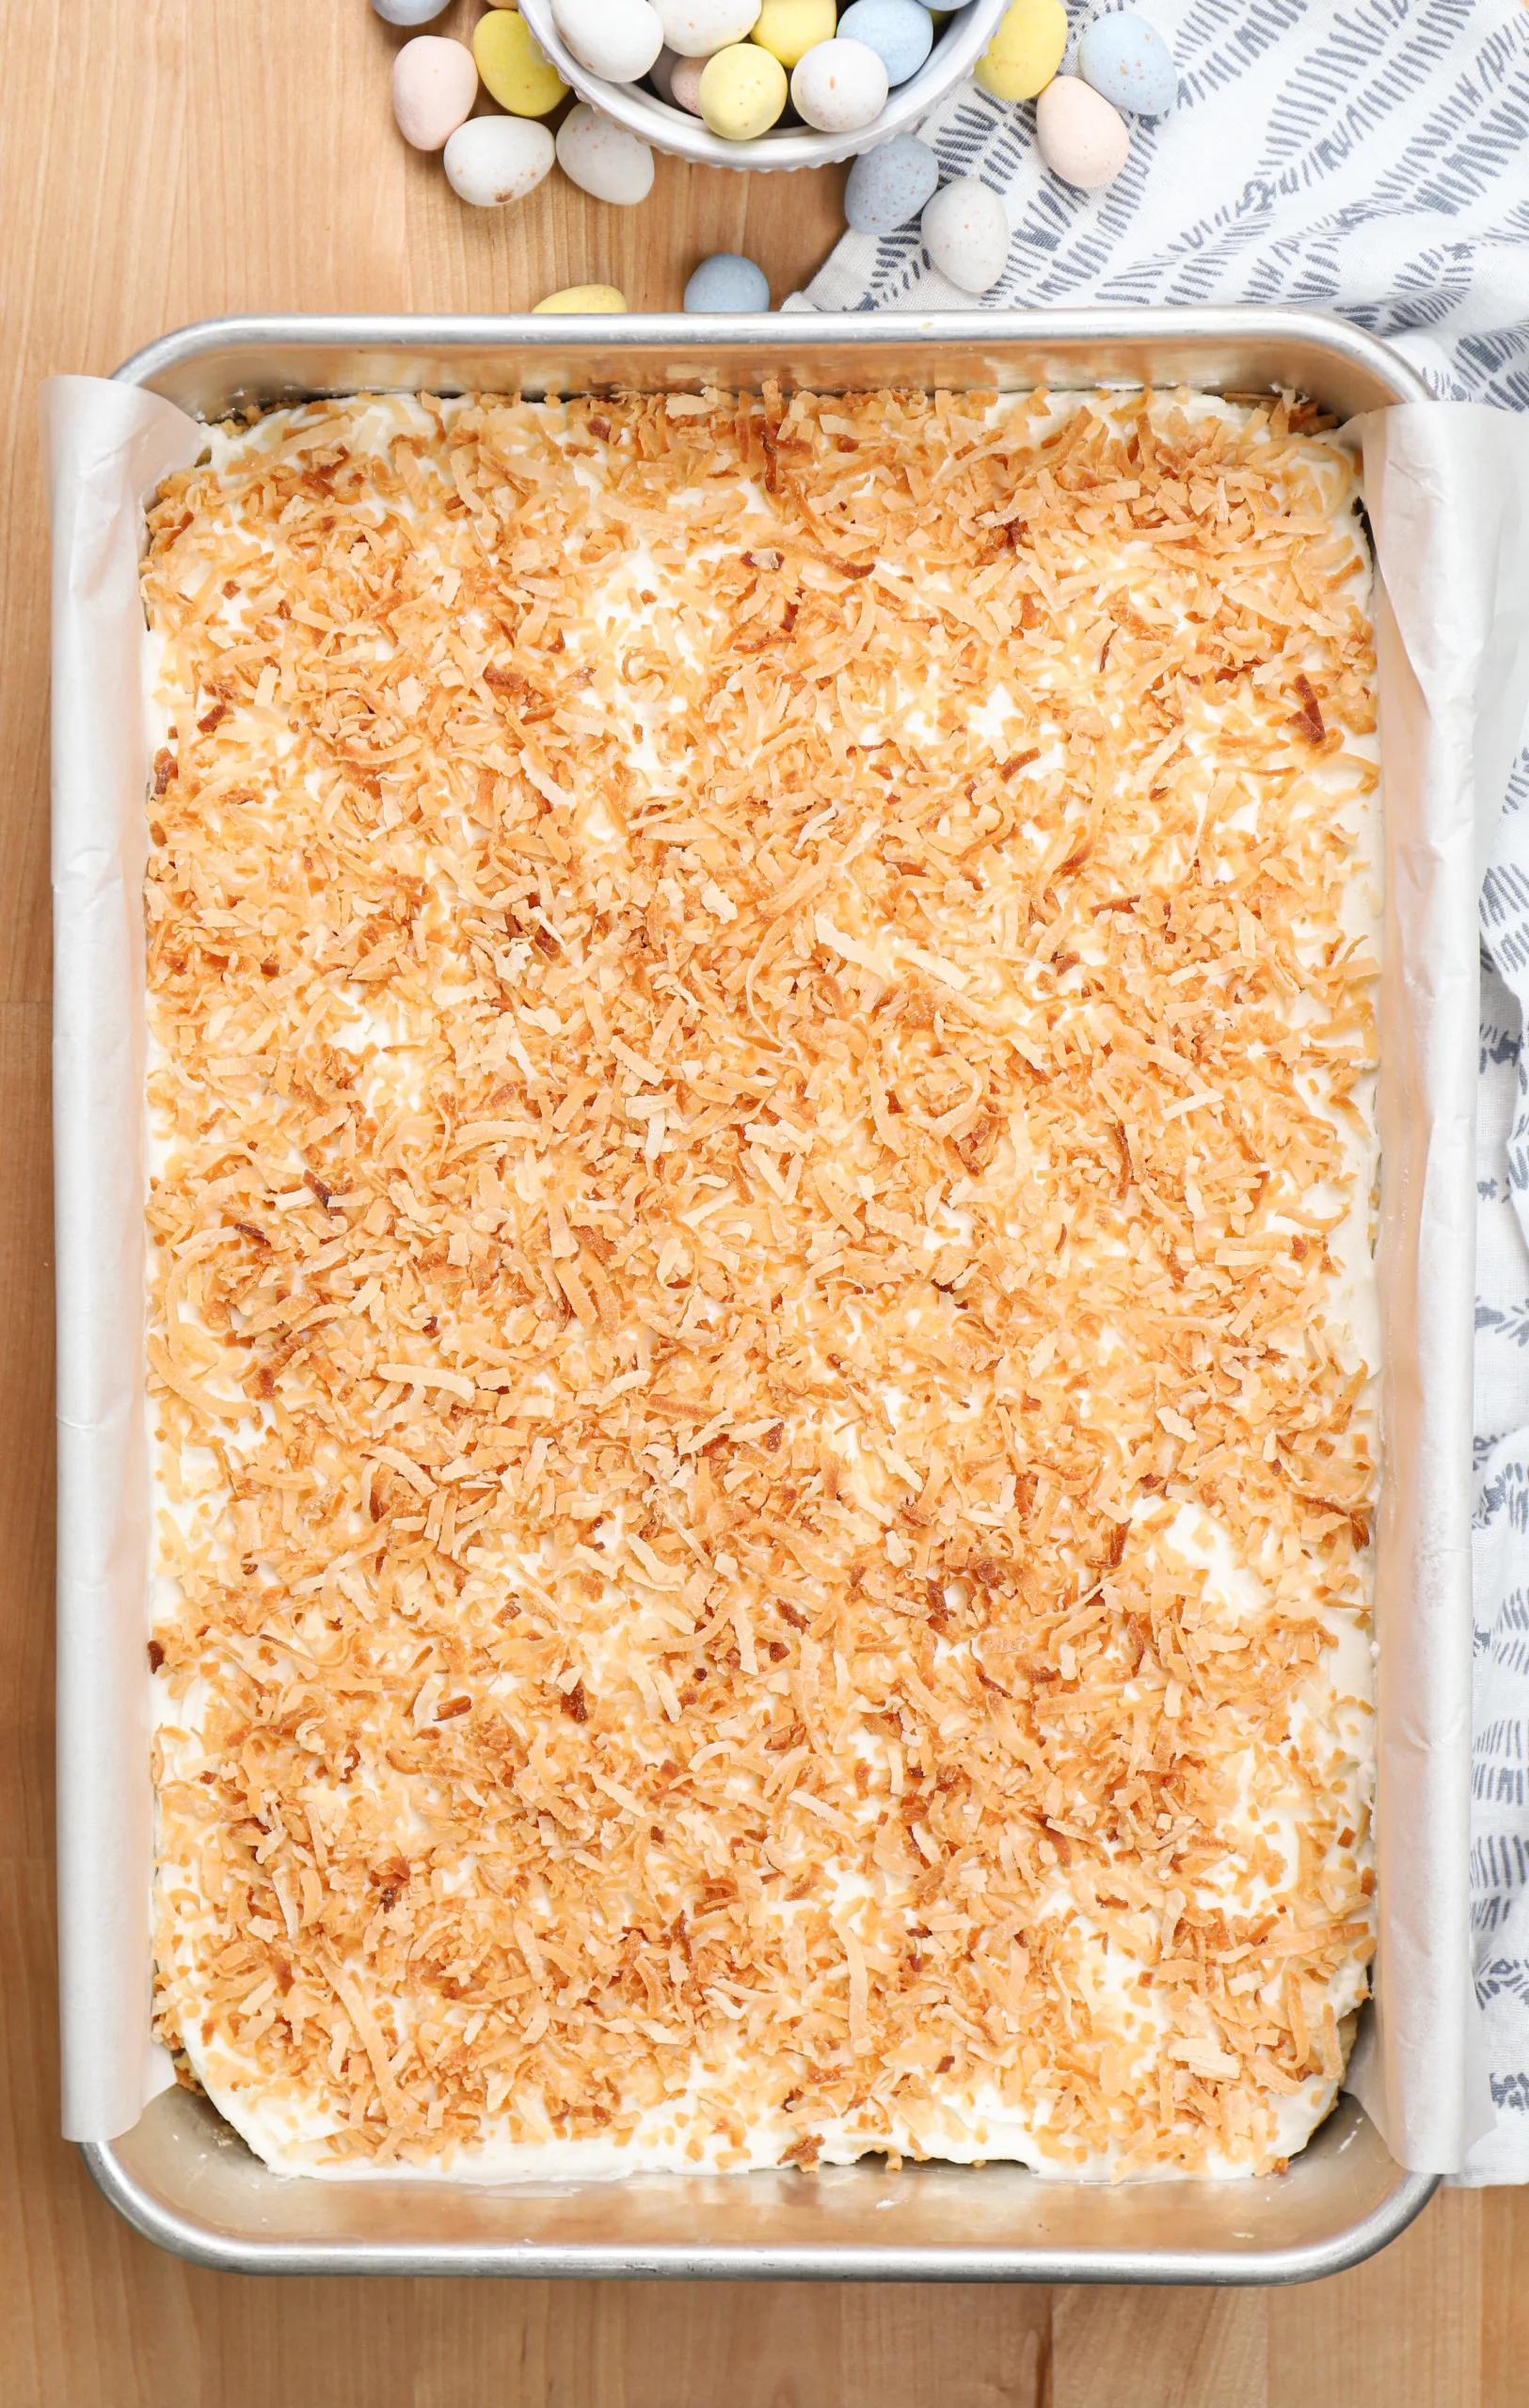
{"type": "Point", "coordinates": [959, 43]}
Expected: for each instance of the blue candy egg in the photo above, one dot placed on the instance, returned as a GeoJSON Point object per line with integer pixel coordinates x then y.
{"type": "Point", "coordinates": [1129, 63]}
{"type": "Point", "coordinates": [408, 12]}
{"type": "Point", "coordinates": [724, 284]}
{"type": "Point", "coordinates": [899, 31]}
{"type": "Point", "coordinates": [890, 186]}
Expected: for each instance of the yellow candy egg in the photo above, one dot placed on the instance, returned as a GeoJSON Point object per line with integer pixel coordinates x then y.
{"type": "Point", "coordinates": [583, 301]}
{"type": "Point", "coordinates": [512, 66]}
{"type": "Point", "coordinates": [742, 91]}
{"type": "Point", "coordinates": [789, 28]}
{"type": "Point", "coordinates": [1026, 52]}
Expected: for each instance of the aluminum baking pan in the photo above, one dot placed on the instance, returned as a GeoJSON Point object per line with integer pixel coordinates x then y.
{"type": "Point", "coordinates": [182, 2176]}
{"type": "Point", "coordinates": [224, 363]}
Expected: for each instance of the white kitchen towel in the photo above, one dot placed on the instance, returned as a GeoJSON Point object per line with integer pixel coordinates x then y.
{"type": "Point", "coordinates": [1371, 159]}
{"type": "Point", "coordinates": [1500, 1538]}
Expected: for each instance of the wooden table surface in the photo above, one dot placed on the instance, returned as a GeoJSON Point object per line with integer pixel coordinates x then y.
{"type": "Point", "coordinates": [165, 160]}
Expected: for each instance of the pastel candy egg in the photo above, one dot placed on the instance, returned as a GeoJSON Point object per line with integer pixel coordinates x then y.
{"type": "Point", "coordinates": [1026, 52]}
{"type": "Point", "coordinates": [583, 301]}
{"type": "Point", "coordinates": [789, 28]}
{"type": "Point", "coordinates": [890, 186]}
{"type": "Point", "coordinates": [699, 29]}
{"type": "Point", "coordinates": [901, 32]}
{"type": "Point", "coordinates": [514, 70]}
{"type": "Point", "coordinates": [494, 160]}
{"type": "Point", "coordinates": [966, 234]}
{"type": "Point", "coordinates": [1082, 138]}
{"type": "Point", "coordinates": [1129, 62]}
{"type": "Point", "coordinates": [742, 91]}
{"type": "Point", "coordinates": [408, 12]}
{"type": "Point", "coordinates": [435, 84]}
{"type": "Point", "coordinates": [727, 282]}
{"type": "Point", "coordinates": [603, 158]}
{"type": "Point", "coordinates": [838, 86]}
{"type": "Point", "coordinates": [662, 75]}
{"type": "Point", "coordinates": [685, 84]}
{"type": "Point", "coordinates": [618, 39]}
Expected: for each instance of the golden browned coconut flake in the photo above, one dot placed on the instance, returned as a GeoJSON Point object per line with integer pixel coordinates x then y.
{"type": "Point", "coordinates": [760, 1073]}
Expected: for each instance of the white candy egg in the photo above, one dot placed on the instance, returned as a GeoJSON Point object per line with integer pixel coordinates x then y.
{"type": "Point", "coordinates": [603, 158]}
{"type": "Point", "coordinates": [408, 12]}
{"type": "Point", "coordinates": [965, 234]}
{"type": "Point", "coordinates": [697, 28]}
{"type": "Point", "coordinates": [618, 39]}
{"type": "Point", "coordinates": [494, 160]}
{"type": "Point", "coordinates": [839, 85]}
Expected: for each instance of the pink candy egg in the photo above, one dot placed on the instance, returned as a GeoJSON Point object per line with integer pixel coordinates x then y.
{"type": "Point", "coordinates": [1082, 138]}
{"type": "Point", "coordinates": [685, 84]}
{"type": "Point", "coordinates": [435, 84]}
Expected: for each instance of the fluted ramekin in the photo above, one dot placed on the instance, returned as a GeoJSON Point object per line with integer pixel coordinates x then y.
{"type": "Point", "coordinates": [959, 43]}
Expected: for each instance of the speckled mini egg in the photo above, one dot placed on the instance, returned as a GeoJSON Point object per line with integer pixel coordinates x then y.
{"type": "Point", "coordinates": [1026, 52]}
{"type": "Point", "coordinates": [699, 29]}
{"type": "Point", "coordinates": [685, 84]}
{"type": "Point", "coordinates": [604, 158]}
{"type": "Point", "coordinates": [491, 161]}
{"type": "Point", "coordinates": [435, 84]}
{"type": "Point", "coordinates": [583, 301]}
{"type": "Point", "coordinates": [742, 91]}
{"type": "Point", "coordinates": [1129, 62]}
{"type": "Point", "coordinates": [901, 32]}
{"type": "Point", "coordinates": [618, 39]}
{"type": "Point", "coordinates": [965, 234]}
{"type": "Point", "coordinates": [1081, 138]}
{"type": "Point", "coordinates": [725, 283]}
{"type": "Point", "coordinates": [408, 12]}
{"type": "Point", "coordinates": [890, 186]}
{"type": "Point", "coordinates": [839, 87]}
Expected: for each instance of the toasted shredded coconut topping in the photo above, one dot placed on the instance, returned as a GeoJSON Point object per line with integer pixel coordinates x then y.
{"type": "Point", "coordinates": [760, 1058]}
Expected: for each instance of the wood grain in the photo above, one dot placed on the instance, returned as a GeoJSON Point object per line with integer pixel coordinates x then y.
{"type": "Point", "coordinates": [1108, 2347]}
{"type": "Point", "coordinates": [172, 159]}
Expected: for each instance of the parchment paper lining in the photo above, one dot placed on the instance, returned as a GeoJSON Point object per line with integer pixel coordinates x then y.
{"type": "Point", "coordinates": [1448, 490]}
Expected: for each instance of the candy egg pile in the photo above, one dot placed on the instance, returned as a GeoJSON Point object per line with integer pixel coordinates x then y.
{"type": "Point", "coordinates": [1123, 65]}
{"type": "Point", "coordinates": [745, 65]}
{"type": "Point", "coordinates": [492, 161]}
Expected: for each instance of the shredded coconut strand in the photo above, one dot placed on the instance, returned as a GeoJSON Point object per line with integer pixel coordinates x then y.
{"type": "Point", "coordinates": [763, 1468]}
